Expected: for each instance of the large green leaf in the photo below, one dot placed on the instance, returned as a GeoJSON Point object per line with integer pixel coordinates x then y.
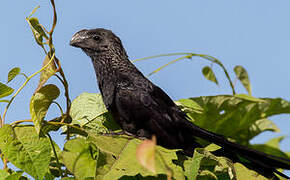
{"type": "Point", "coordinates": [119, 158]}
{"type": "Point", "coordinates": [40, 103]}
{"type": "Point", "coordinates": [5, 90]}
{"type": "Point", "coordinates": [24, 148]}
{"type": "Point", "coordinates": [80, 158]}
{"type": "Point", "coordinates": [89, 111]}
{"type": "Point", "coordinates": [245, 114]}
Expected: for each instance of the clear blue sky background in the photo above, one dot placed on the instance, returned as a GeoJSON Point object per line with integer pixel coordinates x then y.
{"type": "Point", "coordinates": [254, 34]}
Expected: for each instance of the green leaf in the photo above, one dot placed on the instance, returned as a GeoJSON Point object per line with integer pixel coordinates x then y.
{"type": "Point", "coordinates": [89, 111]}
{"type": "Point", "coordinates": [112, 145]}
{"type": "Point", "coordinates": [40, 103]}
{"type": "Point", "coordinates": [13, 73]}
{"type": "Point", "coordinates": [244, 173]}
{"type": "Point", "coordinates": [242, 75]}
{"type": "Point", "coordinates": [78, 158]}
{"type": "Point", "coordinates": [272, 147]}
{"type": "Point", "coordinates": [192, 165]}
{"type": "Point", "coordinates": [25, 149]}
{"type": "Point", "coordinates": [49, 71]}
{"type": "Point", "coordinates": [6, 101]}
{"type": "Point", "coordinates": [3, 174]}
{"type": "Point", "coordinates": [5, 90]}
{"type": "Point", "coordinates": [118, 158]}
{"type": "Point", "coordinates": [37, 30]}
{"type": "Point", "coordinates": [241, 113]}
{"type": "Point", "coordinates": [212, 147]}
{"type": "Point", "coordinates": [16, 176]}
{"type": "Point", "coordinates": [209, 74]}
{"type": "Point", "coordinates": [204, 165]}
{"type": "Point", "coordinates": [49, 176]}
{"type": "Point", "coordinates": [189, 105]}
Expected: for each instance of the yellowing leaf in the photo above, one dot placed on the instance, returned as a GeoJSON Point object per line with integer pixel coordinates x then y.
{"type": "Point", "coordinates": [146, 154]}
{"type": "Point", "coordinates": [50, 70]}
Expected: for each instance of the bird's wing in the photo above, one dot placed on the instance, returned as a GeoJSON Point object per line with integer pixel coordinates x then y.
{"type": "Point", "coordinates": [148, 109]}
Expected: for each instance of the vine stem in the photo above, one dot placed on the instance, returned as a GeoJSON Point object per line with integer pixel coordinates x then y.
{"type": "Point", "coordinates": [20, 121]}
{"type": "Point", "coordinates": [216, 61]}
{"type": "Point", "coordinates": [189, 55]}
{"type": "Point", "coordinates": [55, 154]}
{"type": "Point", "coordinates": [162, 55]}
{"type": "Point", "coordinates": [22, 86]}
{"type": "Point", "coordinates": [171, 62]}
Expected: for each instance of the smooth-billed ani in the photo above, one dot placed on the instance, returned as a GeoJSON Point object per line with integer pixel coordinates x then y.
{"type": "Point", "coordinates": [143, 109]}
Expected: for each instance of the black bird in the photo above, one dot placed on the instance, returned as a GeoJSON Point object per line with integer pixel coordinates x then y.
{"type": "Point", "coordinates": [143, 109]}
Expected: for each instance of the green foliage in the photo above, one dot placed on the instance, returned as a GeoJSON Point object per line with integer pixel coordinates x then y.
{"type": "Point", "coordinates": [93, 150]}
{"type": "Point", "coordinates": [240, 112]}
{"type": "Point", "coordinates": [23, 147]}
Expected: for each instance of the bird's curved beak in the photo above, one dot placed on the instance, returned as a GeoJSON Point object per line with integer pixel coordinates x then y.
{"type": "Point", "coordinates": [78, 38]}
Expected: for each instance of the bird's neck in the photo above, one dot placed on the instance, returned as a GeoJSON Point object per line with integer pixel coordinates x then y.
{"type": "Point", "coordinates": [111, 67]}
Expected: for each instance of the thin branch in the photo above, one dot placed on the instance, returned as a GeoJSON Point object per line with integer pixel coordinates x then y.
{"type": "Point", "coordinates": [61, 111]}
{"type": "Point", "coordinates": [214, 60]}
{"type": "Point", "coordinates": [171, 62]}
{"type": "Point", "coordinates": [55, 154]}
{"type": "Point", "coordinates": [65, 84]}
{"type": "Point", "coordinates": [54, 17]}
{"type": "Point", "coordinates": [162, 55]}
{"type": "Point", "coordinates": [189, 55]}
{"type": "Point", "coordinates": [24, 75]}
{"type": "Point", "coordinates": [20, 121]}
{"type": "Point", "coordinates": [59, 78]}
{"type": "Point", "coordinates": [66, 124]}
{"type": "Point", "coordinates": [50, 44]}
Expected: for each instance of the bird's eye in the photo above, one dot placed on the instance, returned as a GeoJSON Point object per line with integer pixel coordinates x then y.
{"type": "Point", "coordinates": [97, 38]}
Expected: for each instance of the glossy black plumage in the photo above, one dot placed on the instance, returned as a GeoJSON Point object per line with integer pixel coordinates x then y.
{"type": "Point", "coordinates": [143, 109]}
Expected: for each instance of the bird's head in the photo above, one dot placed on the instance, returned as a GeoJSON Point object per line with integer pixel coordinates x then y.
{"type": "Point", "coordinates": [96, 41]}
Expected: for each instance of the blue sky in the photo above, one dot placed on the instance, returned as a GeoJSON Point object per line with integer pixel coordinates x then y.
{"type": "Point", "coordinates": [254, 34]}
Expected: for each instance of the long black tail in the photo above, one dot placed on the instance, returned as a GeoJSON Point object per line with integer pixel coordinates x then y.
{"type": "Point", "coordinates": [263, 163]}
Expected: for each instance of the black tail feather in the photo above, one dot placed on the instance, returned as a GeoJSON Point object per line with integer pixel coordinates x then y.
{"type": "Point", "coordinates": [261, 162]}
